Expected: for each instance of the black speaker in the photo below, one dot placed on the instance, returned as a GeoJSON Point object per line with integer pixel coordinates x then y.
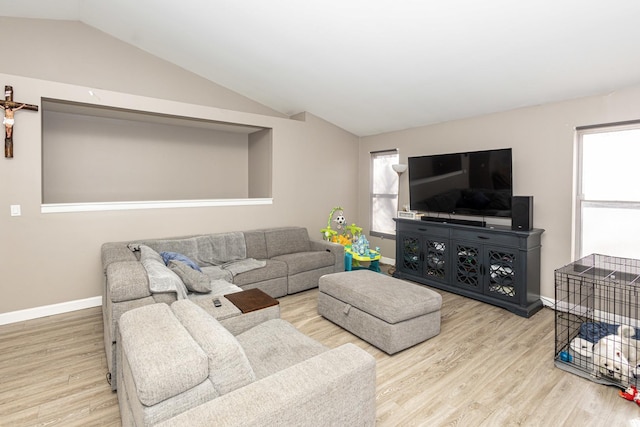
{"type": "Point", "coordinates": [522, 213]}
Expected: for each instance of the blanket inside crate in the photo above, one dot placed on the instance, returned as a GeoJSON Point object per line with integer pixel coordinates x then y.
{"type": "Point", "coordinates": [581, 349]}
{"type": "Point", "coordinates": [594, 331]}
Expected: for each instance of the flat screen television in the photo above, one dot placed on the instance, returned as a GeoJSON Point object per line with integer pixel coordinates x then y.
{"type": "Point", "coordinates": [477, 183]}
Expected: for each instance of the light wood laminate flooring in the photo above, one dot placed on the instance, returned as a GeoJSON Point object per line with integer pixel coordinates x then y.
{"type": "Point", "coordinates": [487, 367]}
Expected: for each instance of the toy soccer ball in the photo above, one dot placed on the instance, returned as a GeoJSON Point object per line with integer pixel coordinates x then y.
{"type": "Point", "coordinates": [340, 220]}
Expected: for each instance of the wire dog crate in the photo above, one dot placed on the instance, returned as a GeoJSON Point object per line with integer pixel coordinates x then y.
{"type": "Point", "coordinates": [596, 298]}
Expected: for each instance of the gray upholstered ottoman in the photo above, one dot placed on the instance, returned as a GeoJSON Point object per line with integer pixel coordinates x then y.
{"type": "Point", "coordinates": [389, 313]}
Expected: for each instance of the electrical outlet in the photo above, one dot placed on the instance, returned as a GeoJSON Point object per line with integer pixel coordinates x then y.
{"type": "Point", "coordinates": [15, 210]}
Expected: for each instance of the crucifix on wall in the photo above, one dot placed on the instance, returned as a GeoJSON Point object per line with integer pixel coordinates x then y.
{"type": "Point", "coordinates": [10, 107]}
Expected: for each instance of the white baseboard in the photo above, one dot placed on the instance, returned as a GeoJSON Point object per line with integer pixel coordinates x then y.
{"type": "Point", "coordinates": [49, 310]}
{"type": "Point", "coordinates": [388, 261]}
{"type": "Point", "coordinates": [548, 302]}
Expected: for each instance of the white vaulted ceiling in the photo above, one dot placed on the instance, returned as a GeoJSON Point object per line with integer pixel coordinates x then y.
{"type": "Point", "coordinates": [373, 66]}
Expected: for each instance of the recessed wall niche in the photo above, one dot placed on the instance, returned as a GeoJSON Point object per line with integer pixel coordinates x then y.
{"type": "Point", "coordinates": [94, 154]}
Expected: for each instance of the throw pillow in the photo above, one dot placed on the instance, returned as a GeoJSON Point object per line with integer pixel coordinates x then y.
{"type": "Point", "coordinates": [168, 256]}
{"type": "Point", "coordinates": [195, 281]}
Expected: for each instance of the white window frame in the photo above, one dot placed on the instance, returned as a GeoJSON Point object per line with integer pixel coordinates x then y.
{"type": "Point", "coordinates": [392, 194]}
{"type": "Point", "coordinates": [580, 201]}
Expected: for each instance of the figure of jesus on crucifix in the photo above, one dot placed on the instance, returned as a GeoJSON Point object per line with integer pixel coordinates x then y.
{"type": "Point", "coordinates": [8, 119]}
{"type": "Point", "coordinates": [10, 107]}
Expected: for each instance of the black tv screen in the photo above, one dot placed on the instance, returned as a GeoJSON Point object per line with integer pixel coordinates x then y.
{"type": "Point", "coordinates": [477, 183]}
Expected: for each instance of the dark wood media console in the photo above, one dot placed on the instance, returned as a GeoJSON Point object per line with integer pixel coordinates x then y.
{"type": "Point", "coordinates": [496, 265]}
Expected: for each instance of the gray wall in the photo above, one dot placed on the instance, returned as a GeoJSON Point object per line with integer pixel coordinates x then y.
{"type": "Point", "coordinates": [55, 258]}
{"type": "Point", "coordinates": [162, 162]}
{"type": "Point", "coordinates": [72, 52]}
{"type": "Point", "coordinates": [542, 139]}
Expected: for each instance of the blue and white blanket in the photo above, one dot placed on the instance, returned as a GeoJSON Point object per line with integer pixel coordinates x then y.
{"type": "Point", "coordinates": [594, 331]}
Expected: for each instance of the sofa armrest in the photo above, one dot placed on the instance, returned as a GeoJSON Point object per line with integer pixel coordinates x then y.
{"type": "Point", "coordinates": [336, 387]}
{"type": "Point", "coordinates": [335, 248]}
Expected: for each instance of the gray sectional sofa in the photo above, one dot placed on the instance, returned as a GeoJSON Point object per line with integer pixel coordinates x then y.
{"type": "Point", "coordinates": [181, 367]}
{"type": "Point", "coordinates": [289, 262]}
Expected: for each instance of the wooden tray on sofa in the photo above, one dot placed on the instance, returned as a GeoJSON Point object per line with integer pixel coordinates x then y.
{"type": "Point", "coordinates": [251, 300]}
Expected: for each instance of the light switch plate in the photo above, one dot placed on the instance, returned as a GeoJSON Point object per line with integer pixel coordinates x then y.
{"type": "Point", "coordinates": [15, 210]}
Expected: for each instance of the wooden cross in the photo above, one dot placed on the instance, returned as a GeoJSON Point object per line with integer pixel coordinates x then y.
{"type": "Point", "coordinates": [10, 108]}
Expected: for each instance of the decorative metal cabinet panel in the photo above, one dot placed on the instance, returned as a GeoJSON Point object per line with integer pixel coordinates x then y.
{"type": "Point", "coordinates": [495, 265]}
{"type": "Point", "coordinates": [425, 252]}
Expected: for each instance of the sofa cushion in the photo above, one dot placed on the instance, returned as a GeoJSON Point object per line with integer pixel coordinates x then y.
{"type": "Point", "coordinates": [256, 245]}
{"type": "Point", "coordinates": [219, 248]}
{"type": "Point", "coordinates": [195, 281]}
{"type": "Point", "coordinates": [164, 359]}
{"type": "Point", "coordinates": [166, 297]}
{"type": "Point", "coordinates": [115, 252]}
{"type": "Point", "coordinates": [288, 240]}
{"type": "Point", "coordinates": [215, 272]}
{"type": "Point", "coordinates": [127, 280]}
{"type": "Point", "coordinates": [305, 261]}
{"type": "Point", "coordinates": [272, 270]}
{"type": "Point", "coordinates": [229, 367]}
{"type": "Point", "coordinates": [276, 345]}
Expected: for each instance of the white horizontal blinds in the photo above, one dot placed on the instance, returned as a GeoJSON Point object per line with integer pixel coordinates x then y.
{"type": "Point", "coordinates": [607, 191]}
{"type": "Point", "coordinates": [384, 193]}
